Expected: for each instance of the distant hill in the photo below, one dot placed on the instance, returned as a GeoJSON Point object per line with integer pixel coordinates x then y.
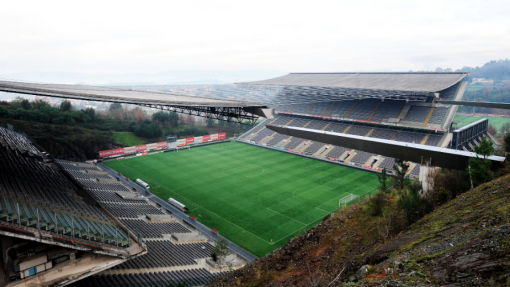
{"type": "Point", "coordinates": [496, 70]}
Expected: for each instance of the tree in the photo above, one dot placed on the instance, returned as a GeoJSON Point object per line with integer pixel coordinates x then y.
{"type": "Point", "coordinates": [16, 102]}
{"type": "Point", "coordinates": [162, 117]}
{"type": "Point", "coordinates": [505, 128]}
{"type": "Point", "coordinates": [220, 253]}
{"type": "Point", "coordinates": [400, 169]}
{"type": "Point", "coordinates": [486, 148]}
{"type": "Point", "coordinates": [377, 202]}
{"type": "Point", "coordinates": [38, 104]}
{"type": "Point", "coordinates": [174, 119]}
{"type": "Point", "coordinates": [210, 122]}
{"type": "Point", "coordinates": [115, 106]}
{"type": "Point", "coordinates": [492, 129]}
{"type": "Point", "coordinates": [91, 113]}
{"type": "Point", "coordinates": [148, 130]}
{"type": "Point", "coordinates": [507, 142]}
{"type": "Point", "coordinates": [26, 104]}
{"type": "Point", "coordinates": [115, 110]}
{"type": "Point", "coordinates": [480, 167]}
{"type": "Point", "coordinates": [413, 204]}
{"type": "Point", "coordinates": [383, 185]}
{"type": "Point", "coordinates": [65, 106]}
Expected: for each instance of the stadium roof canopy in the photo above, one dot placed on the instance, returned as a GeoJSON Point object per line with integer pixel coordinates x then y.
{"type": "Point", "coordinates": [225, 109]}
{"type": "Point", "coordinates": [413, 86]}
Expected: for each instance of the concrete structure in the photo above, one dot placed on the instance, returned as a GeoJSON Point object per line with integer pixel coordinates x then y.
{"type": "Point", "coordinates": [223, 109]}
{"type": "Point", "coordinates": [425, 155]}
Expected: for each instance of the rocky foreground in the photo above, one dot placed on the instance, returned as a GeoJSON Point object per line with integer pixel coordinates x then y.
{"type": "Point", "coordinates": [465, 242]}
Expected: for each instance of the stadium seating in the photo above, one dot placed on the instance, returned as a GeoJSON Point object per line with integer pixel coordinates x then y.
{"type": "Point", "coordinates": [131, 210]}
{"type": "Point", "coordinates": [17, 141]}
{"type": "Point", "coordinates": [161, 252]}
{"type": "Point", "coordinates": [385, 109]}
{"type": "Point", "coordinates": [285, 105]}
{"type": "Point", "coordinates": [39, 195]}
{"type": "Point", "coordinates": [319, 108]}
{"type": "Point", "coordinates": [433, 140]}
{"type": "Point", "coordinates": [451, 92]}
{"type": "Point", "coordinates": [438, 115]}
{"type": "Point", "coordinates": [388, 109]}
{"type": "Point", "coordinates": [191, 277]}
{"type": "Point", "coordinates": [358, 130]}
{"type": "Point", "coordinates": [381, 133]}
{"type": "Point", "coordinates": [387, 163]}
{"type": "Point", "coordinates": [341, 108]}
{"type": "Point", "coordinates": [336, 151]}
{"type": "Point", "coordinates": [294, 142]}
{"type": "Point", "coordinates": [410, 137]}
{"type": "Point", "coordinates": [361, 157]}
{"type": "Point", "coordinates": [313, 148]}
{"type": "Point", "coordinates": [337, 127]}
{"type": "Point", "coordinates": [417, 114]}
{"type": "Point", "coordinates": [154, 229]}
{"type": "Point", "coordinates": [363, 109]}
{"type": "Point", "coordinates": [301, 108]}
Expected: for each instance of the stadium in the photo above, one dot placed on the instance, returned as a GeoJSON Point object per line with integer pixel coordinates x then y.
{"type": "Point", "coordinates": [91, 224]}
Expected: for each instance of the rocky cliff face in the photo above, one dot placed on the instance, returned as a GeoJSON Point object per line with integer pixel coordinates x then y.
{"type": "Point", "coordinates": [465, 242]}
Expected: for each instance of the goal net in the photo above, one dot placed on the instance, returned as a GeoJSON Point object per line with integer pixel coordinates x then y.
{"type": "Point", "coordinates": [346, 200]}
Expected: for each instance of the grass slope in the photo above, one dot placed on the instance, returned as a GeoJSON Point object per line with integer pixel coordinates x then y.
{"type": "Point", "coordinates": [256, 197]}
{"type": "Point", "coordinates": [127, 139]}
{"type": "Point", "coordinates": [496, 121]}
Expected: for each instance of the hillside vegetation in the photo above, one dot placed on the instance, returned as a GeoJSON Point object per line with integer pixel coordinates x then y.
{"type": "Point", "coordinates": [464, 242]}
{"type": "Point", "coordinates": [67, 132]}
{"type": "Point", "coordinates": [127, 139]}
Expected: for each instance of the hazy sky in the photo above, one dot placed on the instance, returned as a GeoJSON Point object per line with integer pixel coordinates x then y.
{"type": "Point", "coordinates": [291, 36]}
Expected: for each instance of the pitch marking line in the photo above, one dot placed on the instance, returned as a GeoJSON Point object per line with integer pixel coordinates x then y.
{"type": "Point", "coordinates": [218, 215]}
{"type": "Point", "coordinates": [271, 243]}
{"type": "Point", "coordinates": [200, 182]}
{"type": "Point", "coordinates": [286, 216]}
{"type": "Point", "coordinates": [293, 194]}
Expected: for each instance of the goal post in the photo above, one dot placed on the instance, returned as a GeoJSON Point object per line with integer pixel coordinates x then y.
{"type": "Point", "coordinates": [346, 200]}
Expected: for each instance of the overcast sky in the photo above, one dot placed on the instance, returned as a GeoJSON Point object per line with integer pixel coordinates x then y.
{"type": "Point", "coordinates": [290, 36]}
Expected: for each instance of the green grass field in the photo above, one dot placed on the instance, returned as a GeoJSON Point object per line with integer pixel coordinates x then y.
{"type": "Point", "coordinates": [256, 197]}
{"type": "Point", "coordinates": [127, 139]}
{"type": "Point", "coordinates": [466, 120]}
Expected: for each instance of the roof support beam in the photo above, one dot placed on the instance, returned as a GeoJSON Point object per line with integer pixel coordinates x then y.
{"type": "Point", "coordinates": [435, 156]}
{"type": "Point", "coordinates": [505, 106]}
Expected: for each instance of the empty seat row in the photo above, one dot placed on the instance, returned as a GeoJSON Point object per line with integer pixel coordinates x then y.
{"type": "Point", "coordinates": [363, 109]}
{"type": "Point", "coordinates": [153, 229]}
{"type": "Point", "coordinates": [166, 254]}
{"type": "Point", "coordinates": [17, 141]}
{"type": "Point", "coordinates": [131, 210]}
{"type": "Point", "coordinates": [50, 219]}
{"type": "Point", "coordinates": [190, 277]}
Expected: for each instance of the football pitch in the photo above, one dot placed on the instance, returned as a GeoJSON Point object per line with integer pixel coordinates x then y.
{"type": "Point", "coordinates": [496, 121]}
{"type": "Point", "coordinates": [256, 197]}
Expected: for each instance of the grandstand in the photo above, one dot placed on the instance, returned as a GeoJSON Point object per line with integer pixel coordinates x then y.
{"type": "Point", "coordinates": [64, 221]}
{"type": "Point", "coordinates": [48, 221]}
{"type": "Point", "coordinates": [393, 106]}
{"type": "Point", "coordinates": [176, 252]}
